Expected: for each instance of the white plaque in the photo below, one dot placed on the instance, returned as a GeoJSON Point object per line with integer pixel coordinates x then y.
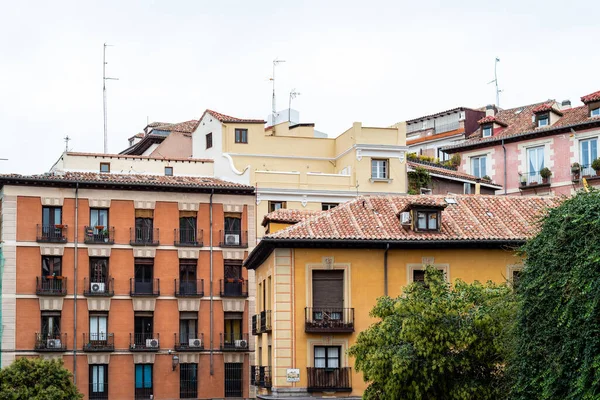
{"type": "Point", "coordinates": [293, 375]}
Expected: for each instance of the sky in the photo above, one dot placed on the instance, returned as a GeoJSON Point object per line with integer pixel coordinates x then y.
{"type": "Point", "coordinates": [377, 62]}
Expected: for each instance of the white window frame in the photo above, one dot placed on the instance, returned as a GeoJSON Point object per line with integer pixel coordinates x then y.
{"type": "Point", "coordinates": [527, 158]}
{"type": "Point", "coordinates": [545, 117]}
{"type": "Point", "coordinates": [488, 128]}
{"type": "Point", "coordinates": [410, 268]}
{"type": "Point", "coordinates": [587, 142]}
{"type": "Point", "coordinates": [98, 327]}
{"type": "Point", "coordinates": [595, 112]}
{"type": "Point", "coordinates": [478, 160]}
{"type": "Point", "coordinates": [378, 166]}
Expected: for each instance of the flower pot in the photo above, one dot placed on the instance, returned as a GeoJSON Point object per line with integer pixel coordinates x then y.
{"type": "Point", "coordinates": [59, 226]}
{"type": "Point", "coordinates": [545, 180]}
{"type": "Point", "coordinates": [523, 183]}
{"type": "Point", "coordinates": [99, 227]}
{"type": "Point", "coordinates": [105, 240]}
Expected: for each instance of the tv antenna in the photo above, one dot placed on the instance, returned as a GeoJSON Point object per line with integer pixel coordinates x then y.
{"type": "Point", "coordinates": [293, 95]}
{"type": "Point", "coordinates": [498, 91]}
{"type": "Point", "coordinates": [104, 79]}
{"type": "Point", "coordinates": [67, 138]}
{"type": "Point", "coordinates": [274, 105]}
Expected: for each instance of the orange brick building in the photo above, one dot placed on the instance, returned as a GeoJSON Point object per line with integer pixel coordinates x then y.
{"type": "Point", "coordinates": [135, 281]}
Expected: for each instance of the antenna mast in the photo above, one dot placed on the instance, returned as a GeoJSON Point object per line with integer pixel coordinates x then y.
{"type": "Point", "coordinates": [495, 81]}
{"type": "Point", "coordinates": [274, 105]}
{"type": "Point", "coordinates": [104, 79]}
{"type": "Point", "coordinates": [67, 138]}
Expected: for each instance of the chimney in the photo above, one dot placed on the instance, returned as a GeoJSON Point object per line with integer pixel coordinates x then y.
{"type": "Point", "coordinates": [478, 186]}
{"type": "Point", "coordinates": [490, 110]}
{"type": "Point", "coordinates": [565, 105]}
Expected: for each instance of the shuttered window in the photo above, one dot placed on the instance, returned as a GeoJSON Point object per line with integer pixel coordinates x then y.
{"type": "Point", "coordinates": [328, 289]}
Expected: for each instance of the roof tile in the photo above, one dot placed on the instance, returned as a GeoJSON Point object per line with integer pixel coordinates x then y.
{"type": "Point", "coordinates": [289, 216]}
{"type": "Point", "coordinates": [227, 118]}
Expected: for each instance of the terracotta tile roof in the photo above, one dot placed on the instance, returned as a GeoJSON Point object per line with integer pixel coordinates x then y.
{"type": "Point", "coordinates": [450, 173]}
{"type": "Point", "coordinates": [289, 216]}
{"type": "Point", "coordinates": [138, 135]}
{"type": "Point", "coordinates": [141, 180]}
{"type": "Point", "coordinates": [471, 218]}
{"type": "Point", "coordinates": [117, 156]}
{"type": "Point", "coordinates": [435, 136]}
{"type": "Point", "coordinates": [185, 127]}
{"type": "Point", "coordinates": [591, 97]}
{"type": "Point", "coordinates": [489, 119]}
{"type": "Point", "coordinates": [546, 107]}
{"type": "Point", "coordinates": [227, 118]}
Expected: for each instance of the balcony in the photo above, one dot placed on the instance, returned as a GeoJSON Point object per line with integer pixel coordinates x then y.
{"type": "Point", "coordinates": [51, 285]}
{"type": "Point", "coordinates": [255, 324]}
{"type": "Point", "coordinates": [233, 239]}
{"type": "Point", "coordinates": [98, 342]}
{"type": "Point", "coordinates": [144, 342]}
{"type": "Point", "coordinates": [584, 171]}
{"type": "Point", "coordinates": [532, 180]}
{"type": "Point", "coordinates": [50, 343]}
{"type": "Point", "coordinates": [51, 233]}
{"type": "Point", "coordinates": [189, 288]}
{"type": "Point", "coordinates": [188, 238]}
{"type": "Point", "coordinates": [261, 323]}
{"type": "Point", "coordinates": [189, 343]}
{"type": "Point", "coordinates": [260, 376]}
{"type": "Point", "coordinates": [329, 379]}
{"type": "Point", "coordinates": [329, 320]}
{"type": "Point", "coordinates": [143, 237]}
{"type": "Point", "coordinates": [234, 287]}
{"type": "Point", "coordinates": [99, 287]}
{"type": "Point", "coordinates": [144, 288]}
{"type": "Point", "coordinates": [99, 235]}
{"type": "Point", "coordinates": [234, 341]}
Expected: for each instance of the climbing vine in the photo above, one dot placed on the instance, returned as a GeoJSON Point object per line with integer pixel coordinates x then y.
{"type": "Point", "coordinates": [417, 179]}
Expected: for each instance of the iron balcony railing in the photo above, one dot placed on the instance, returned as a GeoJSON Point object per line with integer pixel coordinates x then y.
{"type": "Point", "coordinates": [329, 379]}
{"type": "Point", "coordinates": [261, 323]}
{"type": "Point", "coordinates": [144, 287]}
{"type": "Point", "coordinates": [234, 341]}
{"type": "Point", "coordinates": [233, 238]}
{"type": "Point", "coordinates": [586, 170]}
{"type": "Point", "coordinates": [189, 237]}
{"type": "Point", "coordinates": [50, 342]}
{"type": "Point", "coordinates": [99, 342]}
{"type": "Point", "coordinates": [144, 341]}
{"type": "Point", "coordinates": [263, 377]}
{"type": "Point", "coordinates": [189, 288]}
{"type": "Point", "coordinates": [253, 375]}
{"type": "Point", "coordinates": [331, 320]}
{"type": "Point", "coordinates": [51, 285]}
{"type": "Point", "coordinates": [190, 342]}
{"type": "Point", "coordinates": [144, 237]}
{"type": "Point", "coordinates": [533, 178]}
{"type": "Point", "coordinates": [143, 394]}
{"type": "Point", "coordinates": [52, 233]}
{"type": "Point", "coordinates": [101, 287]}
{"type": "Point", "coordinates": [451, 126]}
{"type": "Point", "coordinates": [234, 287]}
{"type": "Point", "coordinates": [99, 235]}
{"type": "Point", "coordinates": [255, 324]}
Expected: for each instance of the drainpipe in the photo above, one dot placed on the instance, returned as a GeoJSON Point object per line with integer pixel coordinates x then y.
{"type": "Point", "coordinates": [210, 213]}
{"type": "Point", "coordinates": [385, 270]}
{"type": "Point", "coordinates": [75, 285]}
{"type": "Point", "coordinates": [504, 149]}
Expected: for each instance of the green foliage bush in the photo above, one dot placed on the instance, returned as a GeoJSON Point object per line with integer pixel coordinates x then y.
{"type": "Point", "coordinates": [417, 179]}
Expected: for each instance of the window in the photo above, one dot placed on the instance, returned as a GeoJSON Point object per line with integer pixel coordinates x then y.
{"type": "Point", "coordinates": [543, 120]}
{"type": "Point", "coordinates": [535, 161]}
{"type": "Point", "coordinates": [187, 277]}
{"type": "Point", "coordinates": [233, 328]}
{"type": "Point", "coordinates": [478, 166]}
{"type": "Point", "coordinates": [428, 220]}
{"type": "Point", "coordinates": [187, 227]}
{"type": "Point", "coordinates": [328, 294]}
{"type": "Point", "coordinates": [51, 267]}
{"type": "Point", "coordinates": [328, 206]}
{"type": "Point", "coordinates": [516, 276]}
{"type": "Point", "coordinates": [419, 275]}
{"type": "Point", "coordinates": [143, 279]}
{"type": "Point", "coordinates": [168, 171]}
{"type": "Point", "coordinates": [416, 272]}
{"type": "Point", "coordinates": [487, 130]}
{"type": "Point", "coordinates": [143, 326]}
{"type": "Point", "coordinates": [241, 135]}
{"type": "Point", "coordinates": [188, 327]}
{"type": "Point", "coordinates": [50, 325]}
{"type": "Point", "coordinates": [234, 379]}
{"type": "Point", "coordinates": [99, 271]}
{"type": "Point", "coordinates": [98, 328]}
{"type": "Point", "coordinates": [143, 381]}
{"type": "Point", "coordinates": [99, 218]}
{"type": "Point", "coordinates": [144, 226]}
{"type": "Point", "coordinates": [588, 153]}
{"type": "Point", "coordinates": [379, 169]}
{"type": "Point", "coordinates": [188, 381]}
{"type": "Point", "coordinates": [105, 167]}
{"type": "Point", "coordinates": [467, 188]}
{"type": "Point", "coordinates": [276, 205]}
{"type": "Point", "coordinates": [98, 382]}
{"type": "Point", "coordinates": [233, 223]}
{"type": "Point", "coordinates": [327, 357]}
{"type": "Point", "coordinates": [595, 112]}
{"type": "Point", "coordinates": [209, 140]}
{"type": "Point", "coordinates": [51, 216]}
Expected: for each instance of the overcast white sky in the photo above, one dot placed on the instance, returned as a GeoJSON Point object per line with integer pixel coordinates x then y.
{"type": "Point", "coordinates": [378, 62]}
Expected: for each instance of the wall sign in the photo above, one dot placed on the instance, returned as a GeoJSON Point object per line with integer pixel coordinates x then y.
{"type": "Point", "coordinates": [293, 375]}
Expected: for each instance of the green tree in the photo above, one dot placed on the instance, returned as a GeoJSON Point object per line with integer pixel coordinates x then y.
{"type": "Point", "coordinates": [438, 342]}
{"type": "Point", "coordinates": [557, 333]}
{"type": "Point", "coordinates": [37, 379]}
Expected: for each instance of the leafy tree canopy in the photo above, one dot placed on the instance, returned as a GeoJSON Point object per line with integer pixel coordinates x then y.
{"type": "Point", "coordinates": [557, 353]}
{"type": "Point", "coordinates": [438, 342]}
{"type": "Point", "coordinates": [37, 379]}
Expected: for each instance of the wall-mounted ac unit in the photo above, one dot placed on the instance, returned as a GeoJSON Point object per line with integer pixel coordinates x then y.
{"type": "Point", "coordinates": [241, 344]}
{"type": "Point", "coordinates": [152, 343]}
{"type": "Point", "coordinates": [53, 343]}
{"type": "Point", "coordinates": [232, 239]}
{"type": "Point", "coordinates": [97, 287]}
{"type": "Point", "coordinates": [195, 343]}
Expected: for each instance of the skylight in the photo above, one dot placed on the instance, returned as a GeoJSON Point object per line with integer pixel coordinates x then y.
{"type": "Point", "coordinates": [450, 200]}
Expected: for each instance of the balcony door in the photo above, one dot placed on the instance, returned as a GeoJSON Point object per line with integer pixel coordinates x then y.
{"type": "Point", "coordinates": [99, 222]}
{"type": "Point", "coordinates": [51, 217]}
{"type": "Point", "coordinates": [535, 162]}
{"type": "Point", "coordinates": [589, 152]}
{"type": "Point", "coordinates": [188, 327]}
{"type": "Point", "coordinates": [187, 227]}
{"type": "Point", "coordinates": [143, 328]}
{"type": "Point", "coordinates": [98, 328]}
{"type": "Point", "coordinates": [144, 276]}
{"type": "Point", "coordinates": [144, 226]}
{"type": "Point", "coordinates": [328, 294]}
{"type": "Point", "coordinates": [233, 284]}
{"type": "Point", "coordinates": [233, 228]}
{"type": "Point", "coordinates": [51, 325]}
{"type": "Point", "coordinates": [233, 328]}
{"type": "Point", "coordinates": [187, 277]}
{"type": "Point", "coordinates": [52, 274]}
{"type": "Point", "coordinates": [98, 274]}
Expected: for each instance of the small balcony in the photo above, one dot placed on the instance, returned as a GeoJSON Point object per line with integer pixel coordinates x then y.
{"type": "Point", "coordinates": [99, 235]}
{"type": "Point", "coordinates": [51, 285]}
{"type": "Point", "coordinates": [189, 238]}
{"type": "Point", "coordinates": [99, 287]}
{"type": "Point", "coordinates": [189, 343]}
{"type": "Point", "coordinates": [143, 237]}
{"type": "Point", "coordinates": [50, 343]}
{"type": "Point", "coordinates": [329, 379]}
{"type": "Point", "coordinates": [189, 288]}
{"type": "Point", "coordinates": [233, 239]}
{"type": "Point", "coordinates": [234, 287]}
{"type": "Point", "coordinates": [234, 342]}
{"type": "Point", "coordinates": [329, 320]}
{"type": "Point", "coordinates": [99, 342]}
{"type": "Point", "coordinates": [261, 323]}
{"type": "Point", "coordinates": [260, 376]}
{"type": "Point", "coordinates": [144, 288]}
{"type": "Point", "coordinates": [255, 324]}
{"type": "Point", "coordinates": [533, 179]}
{"type": "Point", "coordinates": [51, 233]}
{"type": "Point", "coordinates": [583, 171]}
{"type": "Point", "coordinates": [144, 342]}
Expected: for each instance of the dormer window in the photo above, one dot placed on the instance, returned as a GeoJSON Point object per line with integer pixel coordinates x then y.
{"type": "Point", "coordinates": [487, 130]}
{"type": "Point", "coordinates": [595, 112]}
{"type": "Point", "coordinates": [427, 220]}
{"type": "Point", "coordinates": [543, 120]}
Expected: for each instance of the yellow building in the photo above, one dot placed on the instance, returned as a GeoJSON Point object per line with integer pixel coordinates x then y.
{"type": "Point", "coordinates": [318, 279]}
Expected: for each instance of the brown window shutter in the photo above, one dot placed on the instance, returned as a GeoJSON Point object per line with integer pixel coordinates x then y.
{"type": "Point", "coordinates": [328, 289]}
{"type": "Point", "coordinates": [188, 214]}
{"type": "Point", "coordinates": [144, 213]}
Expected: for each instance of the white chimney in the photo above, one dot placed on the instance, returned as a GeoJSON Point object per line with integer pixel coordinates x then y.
{"type": "Point", "coordinates": [490, 110]}
{"type": "Point", "coordinates": [565, 105]}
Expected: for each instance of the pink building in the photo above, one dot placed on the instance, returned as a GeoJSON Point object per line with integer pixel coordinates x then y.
{"type": "Point", "coordinates": [514, 147]}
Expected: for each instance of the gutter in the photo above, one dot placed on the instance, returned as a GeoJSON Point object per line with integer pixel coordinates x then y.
{"type": "Point", "coordinates": [75, 285]}
{"type": "Point", "coordinates": [210, 213]}
{"type": "Point", "coordinates": [385, 270]}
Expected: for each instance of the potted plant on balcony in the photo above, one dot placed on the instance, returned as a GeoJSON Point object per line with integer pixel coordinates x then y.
{"type": "Point", "coordinates": [486, 178]}
{"type": "Point", "coordinates": [575, 171]}
{"type": "Point", "coordinates": [105, 235]}
{"type": "Point", "coordinates": [596, 166]}
{"type": "Point", "coordinates": [545, 173]}
{"type": "Point", "coordinates": [59, 226]}
{"type": "Point", "coordinates": [99, 227]}
{"type": "Point", "coordinates": [523, 179]}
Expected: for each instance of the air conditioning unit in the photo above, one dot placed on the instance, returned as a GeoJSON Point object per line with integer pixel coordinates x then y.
{"type": "Point", "coordinates": [232, 239]}
{"type": "Point", "coordinates": [241, 344]}
{"type": "Point", "coordinates": [97, 287]}
{"type": "Point", "coordinates": [152, 343]}
{"type": "Point", "coordinates": [53, 343]}
{"type": "Point", "coordinates": [195, 343]}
